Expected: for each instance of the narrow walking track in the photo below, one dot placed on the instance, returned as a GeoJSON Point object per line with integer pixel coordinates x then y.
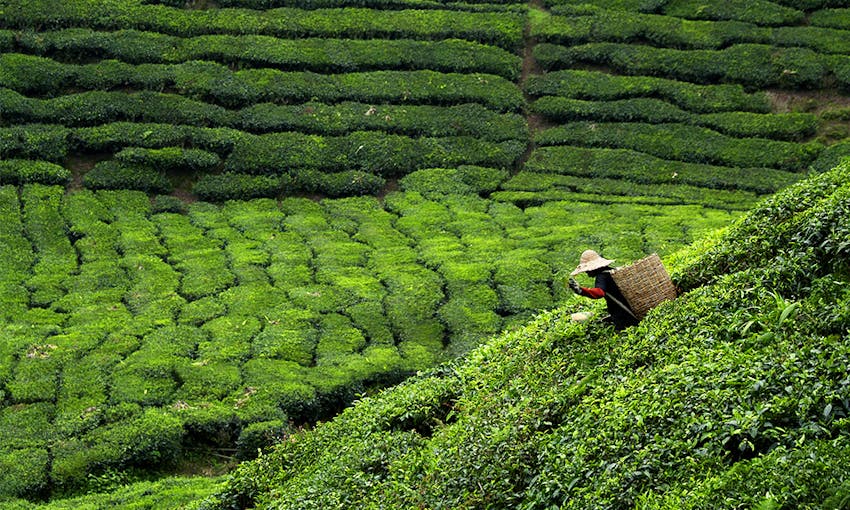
{"type": "Point", "coordinates": [530, 67]}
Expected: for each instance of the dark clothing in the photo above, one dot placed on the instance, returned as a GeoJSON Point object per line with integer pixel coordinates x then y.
{"type": "Point", "coordinates": [605, 287]}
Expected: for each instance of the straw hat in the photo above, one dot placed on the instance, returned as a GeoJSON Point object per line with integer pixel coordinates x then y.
{"type": "Point", "coordinates": [589, 261]}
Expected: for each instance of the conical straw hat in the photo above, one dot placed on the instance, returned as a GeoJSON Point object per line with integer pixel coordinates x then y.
{"type": "Point", "coordinates": [589, 261]}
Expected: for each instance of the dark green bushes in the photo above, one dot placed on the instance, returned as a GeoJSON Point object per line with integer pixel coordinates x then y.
{"type": "Point", "coordinates": [759, 12]}
{"type": "Point", "coordinates": [216, 83]}
{"type": "Point", "coordinates": [757, 66]}
{"type": "Point", "coordinates": [116, 175]}
{"type": "Point", "coordinates": [685, 143]}
{"type": "Point", "coordinates": [593, 85]}
{"type": "Point", "coordinates": [413, 120]}
{"type": "Point", "coordinates": [646, 169]}
{"type": "Point", "coordinates": [231, 186]}
{"type": "Point", "coordinates": [787, 126]}
{"type": "Point", "coordinates": [302, 54]}
{"type": "Point", "coordinates": [385, 155]}
{"type": "Point", "coordinates": [169, 159]}
{"type": "Point", "coordinates": [34, 141]}
{"type": "Point", "coordinates": [22, 171]}
{"type": "Point", "coordinates": [500, 29]}
{"type": "Point", "coordinates": [101, 107]}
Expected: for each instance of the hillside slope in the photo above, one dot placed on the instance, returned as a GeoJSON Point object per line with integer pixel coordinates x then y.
{"type": "Point", "coordinates": [737, 394]}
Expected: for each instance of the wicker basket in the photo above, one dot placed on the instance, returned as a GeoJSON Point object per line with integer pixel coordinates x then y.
{"type": "Point", "coordinates": [644, 284]}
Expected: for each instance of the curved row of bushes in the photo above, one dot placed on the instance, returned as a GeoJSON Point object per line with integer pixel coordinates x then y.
{"type": "Point", "coordinates": [577, 25]}
{"type": "Point", "coordinates": [239, 186]}
{"type": "Point", "coordinates": [473, 5]}
{"type": "Point", "coordinates": [779, 126]}
{"type": "Point", "coordinates": [385, 155]}
{"type": "Point", "coordinates": [216, 83]}
{"type": "Point", "coordinates": [101, 107]}
{"type": "Point", "coordinates": [500, 29]}
{"type": "Point", "coordinates": [599, 86]}
{"type": "Point", "coordinates": [308, 54]}
{"type": "Point", "coordinates": [530, 187]}
{"type": "Point", "coordinates": [685, 143]}
{"type": "Point", "coordinates": [373, 152]}
{"type": "Point", "coordinates": [752, 65]}
{"type": "Point", "coordinates": [26, 171]}
{"type": "Point", "coordinates": [761, 12]}
{"type": "Point", "coordinates": [643, 168]}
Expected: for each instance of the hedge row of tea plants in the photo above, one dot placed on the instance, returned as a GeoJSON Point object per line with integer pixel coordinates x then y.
{"type": "Point", "coordinates": [501, 28]}
{"type": "Point", "coordinates": [548, 186]}
{"type": "Point", "coordinates": [372, 152]}
{"type": "Point", "coordinates": [779, 126]}
{"type": "Point", "coordinates": [643, 168]}
{"type": "Point", "coordinates": [600, 86]}
{"type": "Point", "coordinates": [833, 18]}
{"type": "Point", "coordinates": [101, 107]}
{"type": "Point", "coordinates": [576, 25]}
{"type": "Point", "coordinates": [682, 142]}
{"type": "Point", "coordinates": [474, 5]}
{"type": "Point", "coordinates": [752, 65]}
{"type": "Point", "coordinates": [216, 83]}
{"type": "Point", "coordinates": [25, 171]}
{"type": "Point", "coordinates": [307, 54]}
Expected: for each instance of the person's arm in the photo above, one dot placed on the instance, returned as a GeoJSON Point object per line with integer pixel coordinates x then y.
{"type": "Point", "coordinates": [591, 292]}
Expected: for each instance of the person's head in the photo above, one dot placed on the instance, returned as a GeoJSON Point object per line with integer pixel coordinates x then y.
{"type": "Point", "coordinates": [591, 263]}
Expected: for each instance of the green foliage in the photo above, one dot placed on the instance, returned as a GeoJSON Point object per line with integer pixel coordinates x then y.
{"type": "Point", "coordinates": [117, 175]}
{"type": "Point", "coordinates": [642, 168]}
{"type": "Point", "coordinates": [595, 85]}
{"type": "Point", "coordinates": [685, 143]}
{"type": "Point", "coordinates": [500, 29]}
{"type": "Point", "coordinates": [463, 180]}
{"type": "Point", "coordinates": [169, 159]}
{"type": "Point", "coordinates": [23, 473]}
{"type": "Point", "coordinates": [21, 171]}
{"type": "Point", "coordinates": [760, 12]}
{"type": "Point", "coordinates": [324, 55]}
{"type": "Point", "coordinates": [751, 65]}
{"type": "Point", "coordinates": [787, 126]}
{"type": "Point", "coordinates": [234, 186]}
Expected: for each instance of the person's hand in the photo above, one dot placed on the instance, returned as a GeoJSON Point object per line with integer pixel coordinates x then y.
{"type": "Point", "coordinates": [574, 286]}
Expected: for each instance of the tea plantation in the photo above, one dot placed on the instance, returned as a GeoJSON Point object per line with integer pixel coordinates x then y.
{"type": "Point", "coordinates": [221, 223]}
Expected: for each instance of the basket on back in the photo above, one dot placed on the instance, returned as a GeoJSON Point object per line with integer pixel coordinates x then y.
{"type": "Point", "coordinates": [644, 284]}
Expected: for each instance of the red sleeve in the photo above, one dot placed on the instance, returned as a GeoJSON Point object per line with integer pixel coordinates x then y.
{"type": "Point", "coordinates": [594, 293]}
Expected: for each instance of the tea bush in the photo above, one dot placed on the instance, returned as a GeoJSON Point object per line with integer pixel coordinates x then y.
{"type": "Point", "coordinates": [759, 12]}
{"type": "Point", "coordinates": [321, 55]}
{"type": "Point", "coordinates": [234, 186]}
{"type": "Point", "coordinates": [766, 66]}
{"type": "Point", "coordinates": [117, 175]}
{"type": "Point", "coordinates": [500, 29]}
{"type": "Point", "coordinates": [833, 18]}
{"type": "Point", "coordinates": [169, 159]}
{"type": "Point", "coordinates": [23, 171]}
{"type": "Point", "coordinates": [685, 143]}
{"type": "Point", "coordinates": [463, 180]}
{"type": "Point", "coordinates": [784, 126]}
{"type": "Point", "coordinates": [646, 169]}
{"type": "Point", "coordinates": [595, 85]}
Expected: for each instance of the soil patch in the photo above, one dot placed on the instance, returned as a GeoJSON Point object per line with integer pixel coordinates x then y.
{"type": "Point", "coordinates": [80, 164]}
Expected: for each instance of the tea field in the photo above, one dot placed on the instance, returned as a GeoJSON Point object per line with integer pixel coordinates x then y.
{"type": "Point", "coordinates": [221, 221]}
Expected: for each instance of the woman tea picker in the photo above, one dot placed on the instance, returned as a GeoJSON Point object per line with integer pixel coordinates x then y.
{"type": "Point", "coordinates": [600, 268]}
